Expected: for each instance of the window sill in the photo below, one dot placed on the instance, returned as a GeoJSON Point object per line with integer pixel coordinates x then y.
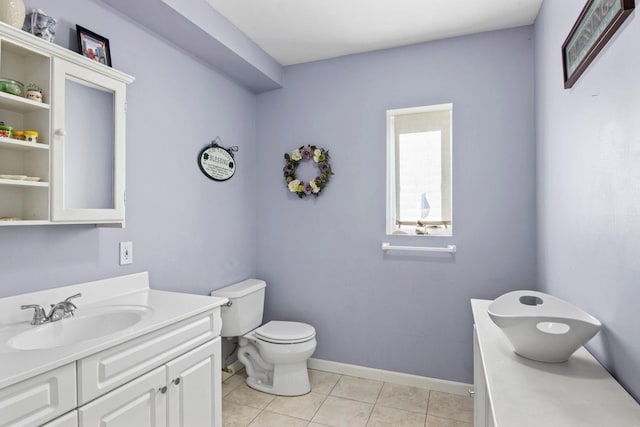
{"type": "Point", "coordinates": [431, 231]}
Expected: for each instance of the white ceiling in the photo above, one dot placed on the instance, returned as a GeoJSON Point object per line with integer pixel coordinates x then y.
{"type": "Point", "coordinates": [297, 31]}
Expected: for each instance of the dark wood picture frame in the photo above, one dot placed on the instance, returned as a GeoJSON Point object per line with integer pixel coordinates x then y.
{"type": "Point", "coordinates": [596, 25]}
{"type": "Point", "coordinates": [93, 46]}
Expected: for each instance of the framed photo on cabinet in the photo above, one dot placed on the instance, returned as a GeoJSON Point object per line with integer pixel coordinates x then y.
{"type": "Point", "coordinates": [93, 46]}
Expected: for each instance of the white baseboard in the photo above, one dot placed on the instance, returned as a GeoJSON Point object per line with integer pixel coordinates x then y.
{"type": "Point", "coordinates": [390, 376]}
{"type": "Point", "coordinates": [375, 374]}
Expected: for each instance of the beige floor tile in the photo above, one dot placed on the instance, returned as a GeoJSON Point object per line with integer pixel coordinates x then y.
{"type": "Point", "coordinates": [404, 397]}
{"type": "Point", "coordinates": [244, 395]}
{"type": "Point", "coordinates": [322, 382]}
{"type": "Point", "coordinates": [338, 412]}
{"type": "Point", "coordinates": [271, 419]}
{"type": "Point", "coordinates": [451, 406]}
{"type": "Point", "coordinates": [392, 417]}
{"type": "Point", "coordinates": [444, 422]}
{"type": "Point", "coordinates": [231, 384]}
{"type": "Point", "coordinates": [234, 415]}
{"type": "Point", "coordinates": [304, 407]}
{"type": "Point", "coordinates": [316, 425]}
{"type": "Point", "coordinates": [357, 389]}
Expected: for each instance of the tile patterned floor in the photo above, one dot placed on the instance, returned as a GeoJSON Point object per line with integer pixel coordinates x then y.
{"type": "Point", "coordinates": [343, 401]}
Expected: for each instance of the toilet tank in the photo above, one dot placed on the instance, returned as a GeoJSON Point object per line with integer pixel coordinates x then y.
{"type": "Point", "coordinates": [247, 307]}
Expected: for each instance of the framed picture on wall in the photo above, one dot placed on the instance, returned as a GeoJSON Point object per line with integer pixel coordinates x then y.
{"type": "Point", "coordinates": [597, 23]}
{"type": "Point", "coordinates": [93, 46]}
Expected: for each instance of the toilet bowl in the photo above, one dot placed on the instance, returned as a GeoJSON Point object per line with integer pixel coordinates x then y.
{"type": "Point", "coordinates": [275, 354]}
{"type": "Point", "coordinates": [278, 365]}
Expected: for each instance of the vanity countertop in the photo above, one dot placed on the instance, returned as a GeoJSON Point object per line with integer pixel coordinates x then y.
{"type": "Point", "coordinates": [164, 308]}
{"type": "Point", "coordinates": [526, 393]}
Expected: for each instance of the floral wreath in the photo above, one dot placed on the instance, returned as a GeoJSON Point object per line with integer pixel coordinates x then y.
{"type": "Point", "coordinates": [317, 184]}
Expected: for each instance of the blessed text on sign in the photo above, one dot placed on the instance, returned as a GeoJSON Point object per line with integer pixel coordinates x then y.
{"type": "Point", "coordinates": [217, 163]}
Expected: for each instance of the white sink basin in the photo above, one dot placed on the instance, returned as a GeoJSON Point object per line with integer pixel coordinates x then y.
{"type": "Point", "coordinates": [82, 327]}
{"type": "Point", "coordinates": [542, 327]}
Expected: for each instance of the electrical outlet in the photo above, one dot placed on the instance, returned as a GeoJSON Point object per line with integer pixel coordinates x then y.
{"type": "Point", "coordinates": [126, 253]}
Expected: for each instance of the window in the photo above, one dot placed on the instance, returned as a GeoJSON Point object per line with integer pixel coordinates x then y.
{"type": "Point", "coordinates": [419, 171]}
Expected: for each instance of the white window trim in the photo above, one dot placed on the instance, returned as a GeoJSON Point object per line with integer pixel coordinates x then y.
{"type": "Point", "coordinates": [391, 160]}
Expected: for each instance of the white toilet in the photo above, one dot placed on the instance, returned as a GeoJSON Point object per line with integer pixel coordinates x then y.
{"type": "Point", "coordinates": [274, 354]}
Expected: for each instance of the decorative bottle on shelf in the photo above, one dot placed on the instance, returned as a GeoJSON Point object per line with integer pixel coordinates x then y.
{"type": "Point", "coordinates": [425, 208]}
{"type": "Point", "coordinates": [12, 12]}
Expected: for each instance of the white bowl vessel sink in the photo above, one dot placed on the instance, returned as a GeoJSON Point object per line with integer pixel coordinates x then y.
{"type": "Point", "coordinates": [542, 327]}
{"type": "Point", "coordinates": [82, 327]}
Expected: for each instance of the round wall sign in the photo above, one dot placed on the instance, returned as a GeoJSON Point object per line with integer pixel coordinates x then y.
{"type": "Point", "coordinates": [216, 163]}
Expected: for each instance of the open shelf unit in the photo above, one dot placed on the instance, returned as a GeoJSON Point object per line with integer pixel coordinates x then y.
{"type": "Point", "coordinates": [28, 200]}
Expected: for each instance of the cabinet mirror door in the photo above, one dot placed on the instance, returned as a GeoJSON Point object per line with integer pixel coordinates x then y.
{"type": "Point", "coordinates": [88, 146]}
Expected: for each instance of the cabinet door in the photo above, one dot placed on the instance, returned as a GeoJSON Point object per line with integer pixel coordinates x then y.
{"type": "Point", "coordinates": [39, 399]}
{"type": "Point", "coordinates": [88, 115]}
{"type": "Point", "coordinates": [68, 420]}
{"type": "Point", "coordinates": [479, 385]}
{"type": "Point", "coordinates": [140, 403]}
{"type": "Point", "coordinates": [195, 383]}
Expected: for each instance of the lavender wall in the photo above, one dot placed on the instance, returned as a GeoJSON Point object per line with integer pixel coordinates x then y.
{"type": "Point", "coordinates": [589, 186]}
{"type": "Point", "coordinates": [322, 258]}
{"type": "Point", "coordinates": [191, 233]}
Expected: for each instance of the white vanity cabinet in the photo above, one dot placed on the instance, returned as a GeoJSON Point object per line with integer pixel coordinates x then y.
{"type": "Point", "coordinates": [184, 392]}
{"type": "Point", "coordinates": [170, 377]}
{"type": "Point", "coordinates": [162, 370]}
{"type": "Point", "coordinates": [167, 378]}
{"type": "Point", "coordinates": [75, 173]}
{"type": "Point", "coordinates": [482, 415]}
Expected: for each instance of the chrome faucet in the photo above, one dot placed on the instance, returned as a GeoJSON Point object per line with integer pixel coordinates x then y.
{"type": "Point", "coordinates": [39, 316]}
{"type": "Point", "coordinates": [58, 311]}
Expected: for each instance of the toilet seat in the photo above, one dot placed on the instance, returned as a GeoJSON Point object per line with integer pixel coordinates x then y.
{"type": "Point", "coordinates": [280, 332]}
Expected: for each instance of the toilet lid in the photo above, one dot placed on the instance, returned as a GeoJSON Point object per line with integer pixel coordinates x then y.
{"type": "Point", "coordinates": [280, 332]}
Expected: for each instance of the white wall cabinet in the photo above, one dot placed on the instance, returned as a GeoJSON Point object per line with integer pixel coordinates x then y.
{"type": "Point", "coordinates": [75, 173]}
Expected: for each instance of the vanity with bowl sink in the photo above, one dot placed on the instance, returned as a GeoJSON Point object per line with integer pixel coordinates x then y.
{"type": "Point", "coordinates": [127, 356]}
{"type": "Point", "coordinates": [513, 387]}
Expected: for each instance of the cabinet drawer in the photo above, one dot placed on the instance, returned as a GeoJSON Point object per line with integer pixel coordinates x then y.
{"type": "Point", "coordinates": [141, 403]}
{"type": "Point", "coordinates": [39, 399]}
{"type": "Point", "coordinates": [68, 420]}
{"type": "Point", "coordinates": [104, 371]}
